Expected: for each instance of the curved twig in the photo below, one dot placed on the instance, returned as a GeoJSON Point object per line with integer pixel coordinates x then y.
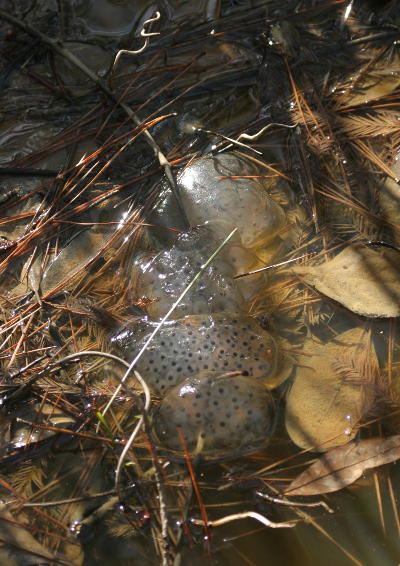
{"type": "Point", "coordinates": [245, 515]}
{"type": "Point", "coordinates": [145, 409]}
{"type": "Point", "coordinates": [135, 430]}
{"type": "Point", "coordinates": [144, 34]}
{"type": "Point", "coordinates": [101, 354]}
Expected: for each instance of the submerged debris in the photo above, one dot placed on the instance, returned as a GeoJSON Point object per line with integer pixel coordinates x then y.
{"type": "Point", "coordinates": [323, 407]}
{"type": "Point", "coordinates": [365, 280]}
{"type": "Point", "coordinates": [278, 121]}
{"type": "Point", "coordinates": [342, 466]}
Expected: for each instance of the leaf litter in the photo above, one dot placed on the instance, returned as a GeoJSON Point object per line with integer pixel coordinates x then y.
{"type": "Point", "coordinates": [343, 465]}
{"type": "Point", "coordinates": [323, 408]}
{"type": "Point", "coordinates": [364, 280]}
{"type": "Point", "coordinates": [154, 497]}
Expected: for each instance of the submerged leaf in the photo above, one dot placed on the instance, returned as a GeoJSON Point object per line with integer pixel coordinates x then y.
{"type": "Point", "coordinates": [332, 391]}
{"type": "Point", "coordinates": [365, 280]}
{"type": "Point", "coordinates": [343, 465]}
{"type": "Point", "coordinates": [18, 546]}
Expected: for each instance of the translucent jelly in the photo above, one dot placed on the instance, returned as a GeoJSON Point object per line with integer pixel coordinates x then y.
{"type": "Point", "coordinates": [166, 275]}
{"type": "Point", "coordinates": [228, 189]}
{"type": "Point", "coordinates": [220, 342]}
{"type": "Point", "coordinates": [215, 416]}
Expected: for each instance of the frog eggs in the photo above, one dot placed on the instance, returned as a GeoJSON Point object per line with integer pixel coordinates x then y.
{"type": "Point", "coordinates": [213, 366]}
{"type": "Point", "coordinates": [215, 417]}
{"type": "Point", "coordinates": [219, 342]}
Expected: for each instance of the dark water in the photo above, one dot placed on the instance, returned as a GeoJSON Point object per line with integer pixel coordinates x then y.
{"type": "Point", "coordinates": [325, 74]}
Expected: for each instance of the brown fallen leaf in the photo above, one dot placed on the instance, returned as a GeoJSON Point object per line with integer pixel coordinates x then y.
{"type": "Point", "coordinates": [365, 280]}
{"type": "Point", "coordinates": [343, 465]}
{"type": "Point", "coordinates": [19, 547]}
{"type": "Point", "coordinates": [332, 391]}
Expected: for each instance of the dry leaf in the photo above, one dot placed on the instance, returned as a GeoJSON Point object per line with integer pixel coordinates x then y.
{"type": "Point", "coordinates": [332, 391]}
{"type": "Point", "coordinates": [18, 546]}
{"type": "Point", "coordinates": [365, 280]}
{"type": "Point", "coordinates": [343, 465]}
{"type": "Point", "coordinates": [389, 198]}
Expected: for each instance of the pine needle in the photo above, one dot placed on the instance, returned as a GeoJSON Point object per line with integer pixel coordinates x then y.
{"type": "Point", "coordinates": [371, 125]}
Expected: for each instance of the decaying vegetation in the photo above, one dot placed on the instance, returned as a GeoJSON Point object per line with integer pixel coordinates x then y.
{"type": "Point", "coordinates": [94, 124]}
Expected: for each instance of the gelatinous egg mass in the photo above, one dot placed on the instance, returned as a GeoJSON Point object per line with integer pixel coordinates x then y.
{"type": "Point", "coordinates": [219, 342]}
{"type": "Point", "coordinates": [217, 416]}
{"type": "Point", "coordinates": [229, 189]}
{"type": "Point", "coordinates": [165, 276]}
{"type": "Point", "coordinates": [241, 202]}
{"type": "Point", "coordinates": [188, 361]}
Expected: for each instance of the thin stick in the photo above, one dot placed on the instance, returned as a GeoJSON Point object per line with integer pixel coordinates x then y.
{"type": "Point", "coordinates": [59, 502]}
{"type": "Point", "coordinates": [31, 364]}
{"type": "Point", "coordinates": [67, 431]}
{"type": "Point", "coordinates": [309, 519]}
{"type": "Point", "coordinates": [274, 265]}
{"type": "Point", "coordinates": [379, 502]}
{"type": "Point", "coordinates": [146, 404]}
{"type": "Point", "coordinates": [290, 503]}
{"type": "Point", "coordinates": [245, 515]}
{"type": "Point", "coordinates": [99, 353]}
{"type": "Point", "coordinates": [394, 505]}
{"type": "Point", "coordinates": [23, 334]}
{"type": "Point", "coordinates": [135, 430]}
{"type": "Point", "coordinates": [28, 171]}
{"type": "Point", "coordinates": [195, 484]}
{"type": "Point", "coordinates": [158, 473]}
